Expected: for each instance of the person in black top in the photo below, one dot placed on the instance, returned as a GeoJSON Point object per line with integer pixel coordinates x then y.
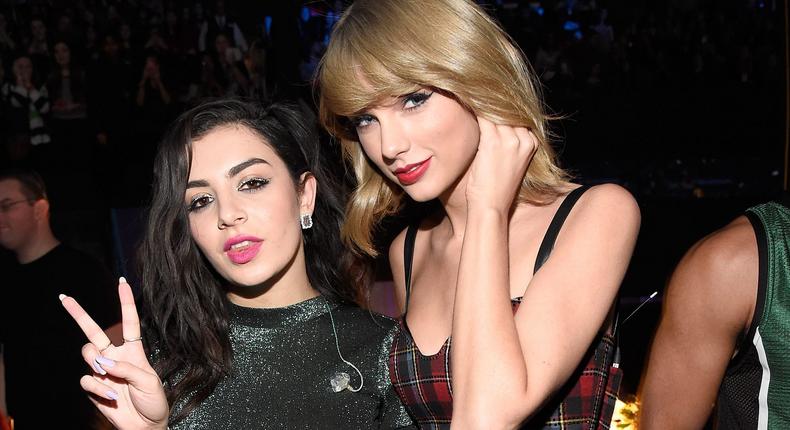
{"type": "Point", "coordinates": [249, 294]}
{"type": "Point", "coordinates": [32, 334]}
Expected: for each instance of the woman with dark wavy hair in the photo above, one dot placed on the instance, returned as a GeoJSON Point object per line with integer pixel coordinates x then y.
{"type": "Point", "coordinates": [249, 316]}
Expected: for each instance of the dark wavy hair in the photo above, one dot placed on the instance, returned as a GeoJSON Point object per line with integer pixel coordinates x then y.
{"type": "Point", "coordinates": [184, 298]}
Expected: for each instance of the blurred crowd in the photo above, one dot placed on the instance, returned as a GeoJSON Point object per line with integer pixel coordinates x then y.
{"type": "Point", "coordinates": [88, 86]}
{"type": "Point", "coordinates": [675, 98]}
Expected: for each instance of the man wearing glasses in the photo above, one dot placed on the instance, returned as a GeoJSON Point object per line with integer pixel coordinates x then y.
{"type": "Point", "coordinates": [42, 369]}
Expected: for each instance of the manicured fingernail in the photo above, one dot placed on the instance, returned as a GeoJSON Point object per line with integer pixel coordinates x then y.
{"type": "Point", "coordinates": [112, 394]}
{"type": "Point", "coordinates": [62, 296]}
{"type": "Point", "coordinates": [97, 367]}
{"type": "Point", "coordinates": [104, 361]}
{"type": "Point", "coordinates": [122, 280]}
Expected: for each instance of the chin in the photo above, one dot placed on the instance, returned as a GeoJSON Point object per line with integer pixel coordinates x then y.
{"type": "Point", "coordinates": [251, 280]}
{"type": "Point", "coordinates": [421, 192]}
{"type": "Point", "coordinates": [421, 197]}
{"type": "Point", "coordinates": [242, 276]}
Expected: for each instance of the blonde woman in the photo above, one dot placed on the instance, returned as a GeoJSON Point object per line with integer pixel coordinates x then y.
{"type": "Point", "coordinates": [508, 290]}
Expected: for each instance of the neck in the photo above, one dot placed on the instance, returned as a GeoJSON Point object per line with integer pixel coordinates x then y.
{"type": "Point", "coordinates": [37, 248]}
{"type": "Point", "coordinates": [455, 206]}
{"type": "Point", "coordinates": [273, 297]}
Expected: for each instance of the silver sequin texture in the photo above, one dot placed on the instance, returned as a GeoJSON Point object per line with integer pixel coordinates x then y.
{"type": "Point", "coordinates": [284, 359]}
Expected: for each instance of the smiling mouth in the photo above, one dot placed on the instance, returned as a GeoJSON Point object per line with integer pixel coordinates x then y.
{"type": "Point", "coordinates": [413, 173]}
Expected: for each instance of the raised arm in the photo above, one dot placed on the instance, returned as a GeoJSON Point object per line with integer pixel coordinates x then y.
{"type": "Point", "coordinates": [708, 305]}
{"type": "Point", "coordinates": [505, 368]}
{"type": "Point", "coordinates": [122, 385]}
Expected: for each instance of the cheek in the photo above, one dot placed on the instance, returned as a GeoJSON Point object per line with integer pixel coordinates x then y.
{"type": "Point", "coordinates": [371, 151]}
{"type": "Point", "coordinates": [283, 215]}
{"type": "Point", "coordinates": [25, 221]}
{"type": "Point", "coordinates": [199, 229]}
{"type": "Point", "coordinates": [463, 134]}
{"type": "Point", "coordinates": [370, 148]}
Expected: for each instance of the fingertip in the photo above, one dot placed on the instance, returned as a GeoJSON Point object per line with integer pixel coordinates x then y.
{"type": "Point", "coordinates": [85, 381]}
{"type": "Point", "coordinates": [94, 387]}
{"type": "Point", "coordinates": [122, 280]}
{"type": "Point", "coordinates": [112, 395]}
{"type": "Point", "coordinates": [61, 297]}
{"type": "Point", "coordinates": [97, 367]}
{"type": "Point", "coordinates": [104, 361]}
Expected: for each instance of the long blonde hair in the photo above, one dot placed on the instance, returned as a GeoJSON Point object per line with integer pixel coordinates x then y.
{"type": "Point", "coordinates": [399, 46]}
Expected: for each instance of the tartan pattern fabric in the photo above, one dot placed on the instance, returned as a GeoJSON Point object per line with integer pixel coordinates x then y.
{"type": "Point", "coordinates": [422, 381]}
{"type": "Point", "coordinates": [586, 402]}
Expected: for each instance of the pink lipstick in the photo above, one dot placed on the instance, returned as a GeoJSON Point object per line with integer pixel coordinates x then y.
{"type": "Point", "coordinates": [242, 249]}
{"type": "Point", "coordinates": [412, 173]}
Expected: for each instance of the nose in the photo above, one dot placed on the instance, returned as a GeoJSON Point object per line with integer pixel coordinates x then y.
{"type": "Point", "coordinates": [393, 140]}
{"type": "Point", "coordinates": [230, 214]}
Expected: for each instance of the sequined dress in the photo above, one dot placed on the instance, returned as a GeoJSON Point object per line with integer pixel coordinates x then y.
{"type": "Point", "coordinates": [284, 359]}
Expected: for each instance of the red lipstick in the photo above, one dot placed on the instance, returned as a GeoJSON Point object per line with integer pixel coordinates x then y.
{"type": "Point", "coordinates": [412, 173]}
{"type": "Point", "coordinates": [243, 248]}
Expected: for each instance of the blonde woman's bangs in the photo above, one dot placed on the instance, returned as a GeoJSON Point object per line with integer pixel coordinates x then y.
{"type": "Point", "coordinates": [389, 48]}
{"type": "Point", "coordinates": [357, 74]}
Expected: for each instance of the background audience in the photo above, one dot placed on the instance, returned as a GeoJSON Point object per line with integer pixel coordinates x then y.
{"type": "Point", "coordinates": [680, 101]}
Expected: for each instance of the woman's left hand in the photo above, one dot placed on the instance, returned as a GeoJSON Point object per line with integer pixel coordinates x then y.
{"type": "Point", "coordinates": [498, 170]}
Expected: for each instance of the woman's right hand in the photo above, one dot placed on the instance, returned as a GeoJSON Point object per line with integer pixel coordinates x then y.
{"type": "Point", "coordinates": [498, 169]}
{"type": "Point", "coordinates": [123, 385]}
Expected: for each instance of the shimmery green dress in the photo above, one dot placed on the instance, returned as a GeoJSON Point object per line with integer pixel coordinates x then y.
{"type": "Point", "coordinates": [284, 359]}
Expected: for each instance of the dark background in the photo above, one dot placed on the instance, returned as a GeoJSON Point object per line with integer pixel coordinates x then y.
{"type": "Point", "coordinates": [682, 102]}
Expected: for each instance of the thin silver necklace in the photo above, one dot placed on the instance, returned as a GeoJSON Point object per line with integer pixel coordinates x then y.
{"type": "Point", "coordinates": [341, 380]}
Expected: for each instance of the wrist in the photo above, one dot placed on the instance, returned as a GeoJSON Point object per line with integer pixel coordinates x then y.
{"type": "Point", "coordinates": [486, 214]}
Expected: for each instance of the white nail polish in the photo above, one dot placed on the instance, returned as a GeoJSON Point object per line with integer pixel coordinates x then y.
{"type": "Point", "coordinates": [122, 280]}
{"type": "Point", "coordinates": [97, 367]}
{"type": "Point", "coordinates": [62, 296]}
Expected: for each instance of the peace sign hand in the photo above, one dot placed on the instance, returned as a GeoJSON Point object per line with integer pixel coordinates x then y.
{"type": "Point", "coordinates": [123, 385]}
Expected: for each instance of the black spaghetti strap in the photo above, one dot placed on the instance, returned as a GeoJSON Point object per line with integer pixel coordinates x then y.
{"type": "Point", "coordinates": [556, 224]}
{"type": "Point", "coordinates": [408, 256]}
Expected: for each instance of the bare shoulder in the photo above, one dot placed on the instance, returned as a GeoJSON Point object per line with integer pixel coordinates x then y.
{"type": "Point", "coordinates": [609, 200]}
{"type": "Point", "coordinates": [607, 210]}
{"type": "Point", "coordinates": [717, 277]}
{"type": "Point", "coordinates": [720, 260]}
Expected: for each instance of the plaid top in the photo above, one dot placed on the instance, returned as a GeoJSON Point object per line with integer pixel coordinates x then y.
{"type": "Point", "coordinates": [424, 382]}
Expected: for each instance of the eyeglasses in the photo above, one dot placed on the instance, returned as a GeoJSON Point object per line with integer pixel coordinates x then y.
{"type": "Point", "coordinates": [5, 207]}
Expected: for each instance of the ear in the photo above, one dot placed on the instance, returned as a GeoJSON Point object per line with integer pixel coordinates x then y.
{"type": "Point", "coordinates": [41, 209]}
{"type": "Point", "coordinates": [309, 188]}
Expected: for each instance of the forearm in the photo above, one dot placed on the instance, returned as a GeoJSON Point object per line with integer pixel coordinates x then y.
{"type": "Point", "coordinates": [489, 374]}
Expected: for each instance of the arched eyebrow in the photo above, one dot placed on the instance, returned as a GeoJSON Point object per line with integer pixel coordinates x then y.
{"type": "Point", "coordinates": [233, 171]}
